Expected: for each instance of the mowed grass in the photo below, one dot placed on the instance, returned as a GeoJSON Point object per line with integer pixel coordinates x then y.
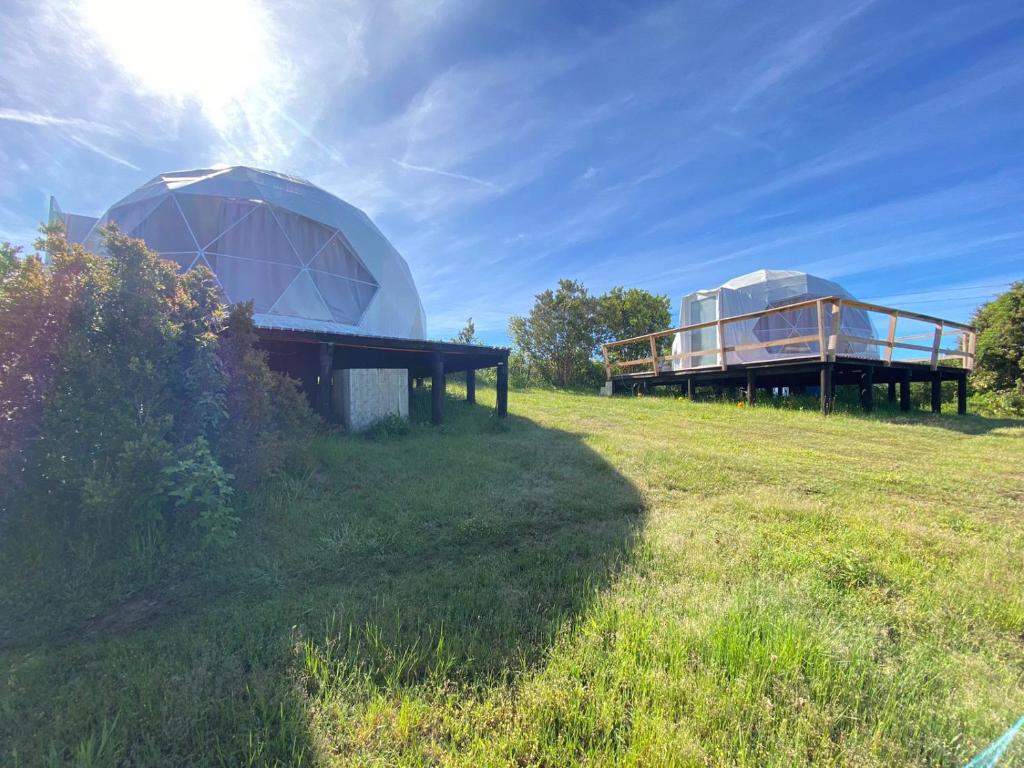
{"type": "Point", "coordinates": [626, 581]}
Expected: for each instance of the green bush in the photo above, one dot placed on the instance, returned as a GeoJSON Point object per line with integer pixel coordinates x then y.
{"type": "Point", "coordinates": [132, 401]}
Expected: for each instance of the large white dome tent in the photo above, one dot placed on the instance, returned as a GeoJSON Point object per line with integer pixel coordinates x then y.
{"type": "Point", "coordinates": [755, 291]}
{"type": "Point", "coordinates": [335, 305]}
{"type": "Point", "coordinates": [306, 259]}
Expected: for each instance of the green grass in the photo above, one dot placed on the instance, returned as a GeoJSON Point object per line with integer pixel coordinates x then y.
{"type": "Point", "coordinates": [626, 581]}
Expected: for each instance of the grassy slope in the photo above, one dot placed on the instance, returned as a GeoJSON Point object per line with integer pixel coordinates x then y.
{"type": "Point", "coordinates": [634, 581]}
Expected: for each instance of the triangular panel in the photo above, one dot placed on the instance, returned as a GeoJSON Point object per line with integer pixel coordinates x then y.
{"type": "Point", "coordinates": [210, 217]}
{"type": "Point", "coordinates": [302, 299]}
{"type": "Point", "coordinates": [261, 282]}
{"type": "Point", "coordinates": [258, 237]}
{"type": "Point", "coordinates": [346, 299]}
{"type": "Point", "coordinates": [338, 258]}
{"type": "Point", "coordinates": [164, 230]}
{"type": "Point", "coordinates": [130, 215]}
{"type": "Point", "coordinates": [306, 236]}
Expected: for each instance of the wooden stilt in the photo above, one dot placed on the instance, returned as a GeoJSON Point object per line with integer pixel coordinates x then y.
{"type": "Point", "coordinates": [936, 392]}
{"type": "Point", "coordinates": [825, 388]}
{"type": "Point", "coordinates": [892, 391]}
{"type": "Point", "coordinates": [905, 390]}
{"type": "Point", "coordinates": [471, 386]}
{"type": "Point", "coordinates": [503, 389]}
{"type": "Point", "coordinates": [961, 394]}
{"type": "Point", "coordinates": [751, 386]}
{"type": "Point", "coordinates": [436, 389]}
{"type": "Point", "coordinates": [867, 389]}
{"type": "Point", "coordinates": [323, 398]}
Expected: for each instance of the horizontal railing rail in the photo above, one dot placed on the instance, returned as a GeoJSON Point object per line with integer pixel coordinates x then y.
{"type": "Point", "coordinates": [827, 334]}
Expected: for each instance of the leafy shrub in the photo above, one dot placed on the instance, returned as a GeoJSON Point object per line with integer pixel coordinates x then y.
{"type": "Point", "coordinates": [202, 491]}
{"type": "Point", "coordinates": [130, 401]}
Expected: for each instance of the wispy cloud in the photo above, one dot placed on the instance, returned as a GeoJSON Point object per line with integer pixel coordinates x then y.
{"type": "Point", "coordinates": [36, 118]}
{"type": "Point", "coordinates": [446, 174]}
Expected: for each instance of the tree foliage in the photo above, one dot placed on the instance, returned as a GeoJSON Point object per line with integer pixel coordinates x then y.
{"type": "Point", "coordinates": [558, 340]}
{"type": "Point", "coordinates": [468, 334]}
{"type": "Point", "coordinates": [130, 399]}
{"type": "Point", "coordinates": [999, 368]}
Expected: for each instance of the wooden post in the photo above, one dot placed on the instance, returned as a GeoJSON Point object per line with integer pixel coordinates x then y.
{"type": "Point", "coordinates": [689, 389]}
{"type": "Point", "coordinates": [867, 388]}
{"type": "Point", "coordinates": [751, 386]}
{"type": "Point", "coordinates": [833, 338]}
{"type": "Point", "coordinates": [654, 355]}
{"type": "Point", "coordinates": [826, 389]}
{"type": "Point", "coordinates": [936, 392]}
{"type": "Point", "coordinates": [682, 390]}
{"type": "Point", "coordinates": [822, 338]}
{"type": "Point", "coordinates": [471, 386]}
{"type": "Point", "coordinates": [607, 363]}
{"type": "Point", "coordinates": [419, 383]}
{"type": "Point", "coordinates": [412, 383]}
{"type": "Point", "coordinates": [905, 390]}
{"type": "Point", "coordinates": [961, 394]}
{"type": "Point", "coordinates": [323, 398]}
{"type": "Point", "coordinates": [721, 344]}
{"type": "Point", "coordinates": [892, 391]}
{"type": "Point", "coordinates": [503, 389]}
{"type": "Point", "coordinates": [936, 343]}
{"type": "Point", "coordinates": [436, 389]}
{"type": "Point", "coordinates": [891, 338]}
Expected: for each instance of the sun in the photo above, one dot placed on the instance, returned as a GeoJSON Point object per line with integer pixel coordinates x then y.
{"type": "Point", "coordinates": [215, 52]}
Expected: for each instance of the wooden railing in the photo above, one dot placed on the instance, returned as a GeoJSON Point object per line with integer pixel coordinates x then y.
{"type": "Point", "coordinates": [827, 335]}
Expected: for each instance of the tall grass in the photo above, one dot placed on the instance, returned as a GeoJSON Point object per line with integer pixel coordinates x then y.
{"type": "Point", "coordinates": [634, 581]}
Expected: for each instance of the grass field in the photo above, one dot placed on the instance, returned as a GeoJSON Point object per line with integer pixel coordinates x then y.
{"type": "Point", "coordinates": [626, 581]}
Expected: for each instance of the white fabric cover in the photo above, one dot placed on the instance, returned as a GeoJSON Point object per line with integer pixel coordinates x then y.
{"type": "Point", "coordinates": [306, 259]}
{"type": "Point", "coordinates": [753, 292]}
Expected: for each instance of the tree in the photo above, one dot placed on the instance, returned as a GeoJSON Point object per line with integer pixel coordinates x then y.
{"type": "Point", "coordinates": [468, 334]}
{"type": "Point", "coordinates": [561, 333]}
{"type": "Point", "coordinates": [628, 312]}
{"type": "Point", "coordinates": [999, 366]}
{"type": "Point", "coordinates": [559, 339]}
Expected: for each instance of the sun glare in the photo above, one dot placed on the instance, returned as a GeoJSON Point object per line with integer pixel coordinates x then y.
{"type": "Point", "coordinates": [213, 51]}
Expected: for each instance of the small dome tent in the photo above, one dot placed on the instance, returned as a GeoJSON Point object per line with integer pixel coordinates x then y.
{"type": "Point", "coordinates": [764, 289]}
{"type": "Point", "coordinates": [306, 259]}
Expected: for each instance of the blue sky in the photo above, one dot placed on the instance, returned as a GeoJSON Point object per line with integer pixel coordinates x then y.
{"type": "Point", "coordinates": [669, 146]}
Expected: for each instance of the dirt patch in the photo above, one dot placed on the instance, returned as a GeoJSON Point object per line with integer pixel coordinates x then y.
{"type": "Point", "coordinates": [132, 614]}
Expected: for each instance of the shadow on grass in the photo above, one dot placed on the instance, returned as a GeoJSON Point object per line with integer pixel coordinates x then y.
{"type": "Point", "coordinates": [426, 560]}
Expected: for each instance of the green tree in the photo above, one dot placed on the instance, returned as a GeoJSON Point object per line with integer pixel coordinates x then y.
{"type": "Point", "coordinates": [468, 334]}
{"type": "Point", "coordinates": [628, 312]}
{"type": "Point", "coordinates": [559, 337]}
{"type": "Point", "coordinates": [999, 367]}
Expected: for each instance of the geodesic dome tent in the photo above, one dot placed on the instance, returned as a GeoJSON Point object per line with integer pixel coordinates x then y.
{"type": "Point", "coordinates": [765, 289]}
{"type": "Point", "coordinates": [306, 259]}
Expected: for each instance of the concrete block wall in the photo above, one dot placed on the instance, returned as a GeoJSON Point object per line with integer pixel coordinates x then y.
{"type": "Point", "coordinates": [364, 396]}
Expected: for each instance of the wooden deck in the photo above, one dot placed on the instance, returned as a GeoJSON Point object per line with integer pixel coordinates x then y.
{"type": "Point", "coordinates": [818, 354]}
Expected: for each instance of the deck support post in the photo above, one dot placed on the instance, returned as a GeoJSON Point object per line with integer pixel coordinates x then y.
{"type": "Point", "coordinates": [412, 384]}
{"type": "Point", "coordinates": [323, 396]}
{"type": "Point", "coordinates": [751, 386]}
{"type": "Point", "coordinates": [867, 389]}
{"type": "Point", "coordinates": [892, 391]}
{"type": "Point", "coordinates": [961, 394]}
{"type": "Point", "coordinates": [936, 392]}
{"type": "Point", "coordinates": [419, 383]}
{"type": "Point", "coordinates": [471, 386]}
{"type": "Point", "coordinates": [436, 389]}
{"type": "Point", "coordinates": [682, 390]}
{"type": "Point", "coordinates": [689, 389]}
{"type": "Point", "coordinates": [825, 388]}
{"type": "Point", "coordinates": [905, 389]}
{"type": "Point", "coordinates": [502, 402]}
